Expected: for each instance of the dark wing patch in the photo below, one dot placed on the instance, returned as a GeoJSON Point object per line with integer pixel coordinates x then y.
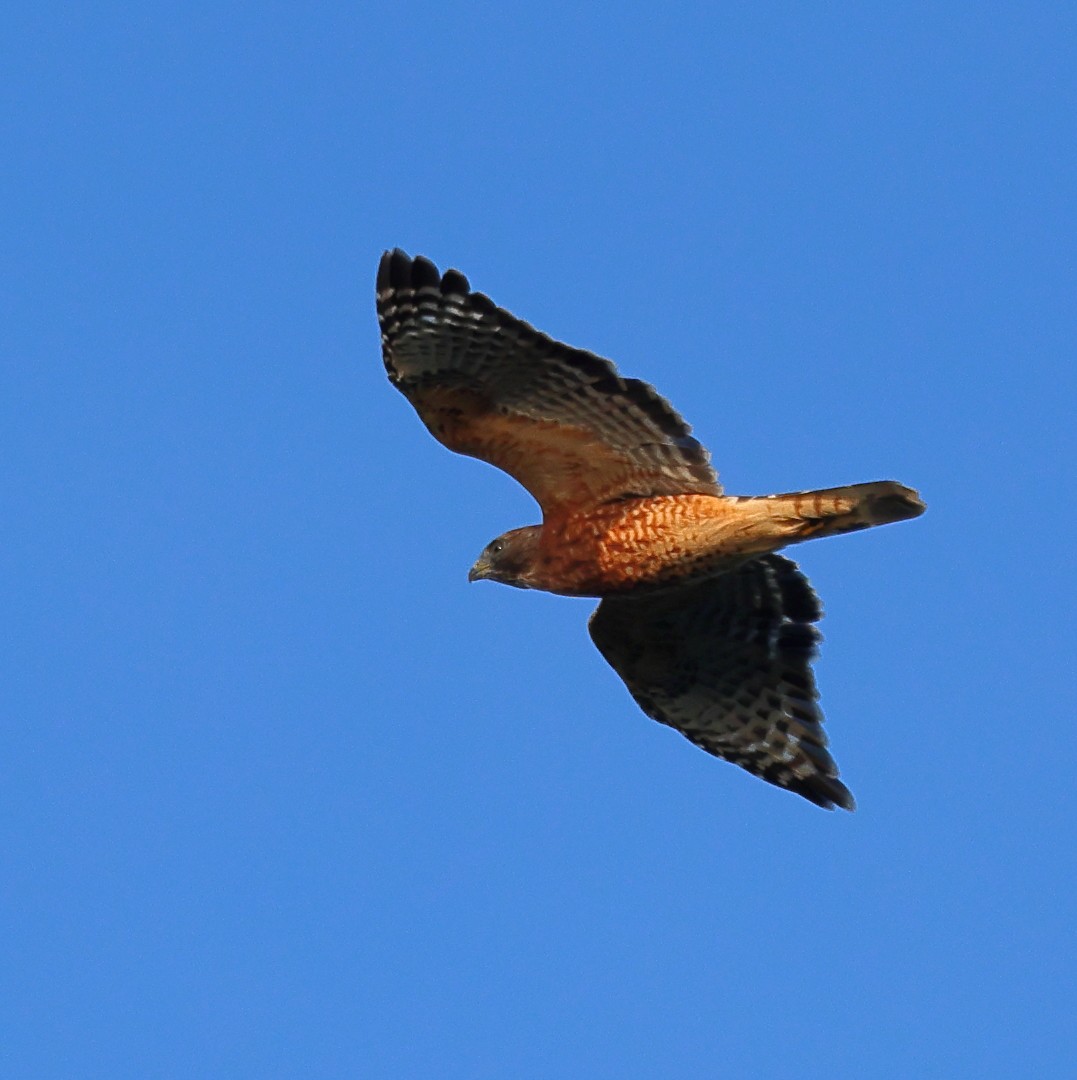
{"type": "Point", "coordinates": [560, 420]}
{"type": "Point", "coordinates": [727, 662]}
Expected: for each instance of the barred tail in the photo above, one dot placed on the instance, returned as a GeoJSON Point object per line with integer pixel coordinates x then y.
{"type": "Point", "coordinates": [808, 514]}
{"type": "Point", "coordinates": [856, 507]}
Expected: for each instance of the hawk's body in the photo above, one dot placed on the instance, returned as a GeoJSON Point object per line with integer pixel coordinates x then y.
{"type": "Point", "coordinates": [665, 540]}
{"type": "Point", "coordinates": [712, 633]}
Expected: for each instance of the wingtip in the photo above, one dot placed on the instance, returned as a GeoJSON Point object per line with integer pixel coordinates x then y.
{"type": "Point", "coordinates": [837, 795]}
{"type": "Point", "coordinates": [424, 274]}
{"type": "Point", "coordinates": [821, 788]}
{"type": "Point", "coordinates": [394, 269]}
{"type": "Point", "coordinates": [399, 270]}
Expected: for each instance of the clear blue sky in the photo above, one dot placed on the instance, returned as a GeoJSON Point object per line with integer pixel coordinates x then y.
{"type": "Point", "coordinates": [281, 794]}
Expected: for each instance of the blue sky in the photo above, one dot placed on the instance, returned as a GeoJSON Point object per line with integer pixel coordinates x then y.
{"type": "Point", "coordinates": [284, 796]}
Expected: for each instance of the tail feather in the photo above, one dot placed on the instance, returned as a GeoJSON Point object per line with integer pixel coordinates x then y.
{"type": "Point", "coordinates": [880, 502]}
{"type": "Point", "coordinates": [829, 511]}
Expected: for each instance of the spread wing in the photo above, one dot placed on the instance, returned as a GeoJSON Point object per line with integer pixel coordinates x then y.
{"type": "Point", "coordinates": [559, 420]}
{"type": "Point", "coordinates": [727, 662]}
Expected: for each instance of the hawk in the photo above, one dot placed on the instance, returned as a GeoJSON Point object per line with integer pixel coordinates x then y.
{"type": "Point", "coordinates": [712, 632]}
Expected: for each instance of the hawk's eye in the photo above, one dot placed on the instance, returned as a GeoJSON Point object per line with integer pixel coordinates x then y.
{"type": "Point", "coordinates": [496, 547]}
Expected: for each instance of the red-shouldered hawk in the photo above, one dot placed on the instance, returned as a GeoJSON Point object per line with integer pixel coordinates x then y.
{"type": "Point", "coordinates": [712, 633]}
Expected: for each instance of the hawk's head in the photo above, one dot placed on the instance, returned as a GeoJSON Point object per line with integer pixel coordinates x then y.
{"type": "Point", "coordinates": [510, 559]}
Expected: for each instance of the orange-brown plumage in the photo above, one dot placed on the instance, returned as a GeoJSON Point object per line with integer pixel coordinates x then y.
{"type": "Point", "coordinates": [711, 631]}
{"type": "Point", "coordinates": [634, 543]}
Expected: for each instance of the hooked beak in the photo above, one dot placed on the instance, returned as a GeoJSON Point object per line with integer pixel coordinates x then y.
{"type": "Point", "coordinates": [480, 570]}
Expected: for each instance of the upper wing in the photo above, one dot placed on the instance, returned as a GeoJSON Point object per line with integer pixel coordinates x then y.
{"type": "Point", "coordinates": [559, 420]}
{"type": "Point", "coordinates": [727, 662]}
